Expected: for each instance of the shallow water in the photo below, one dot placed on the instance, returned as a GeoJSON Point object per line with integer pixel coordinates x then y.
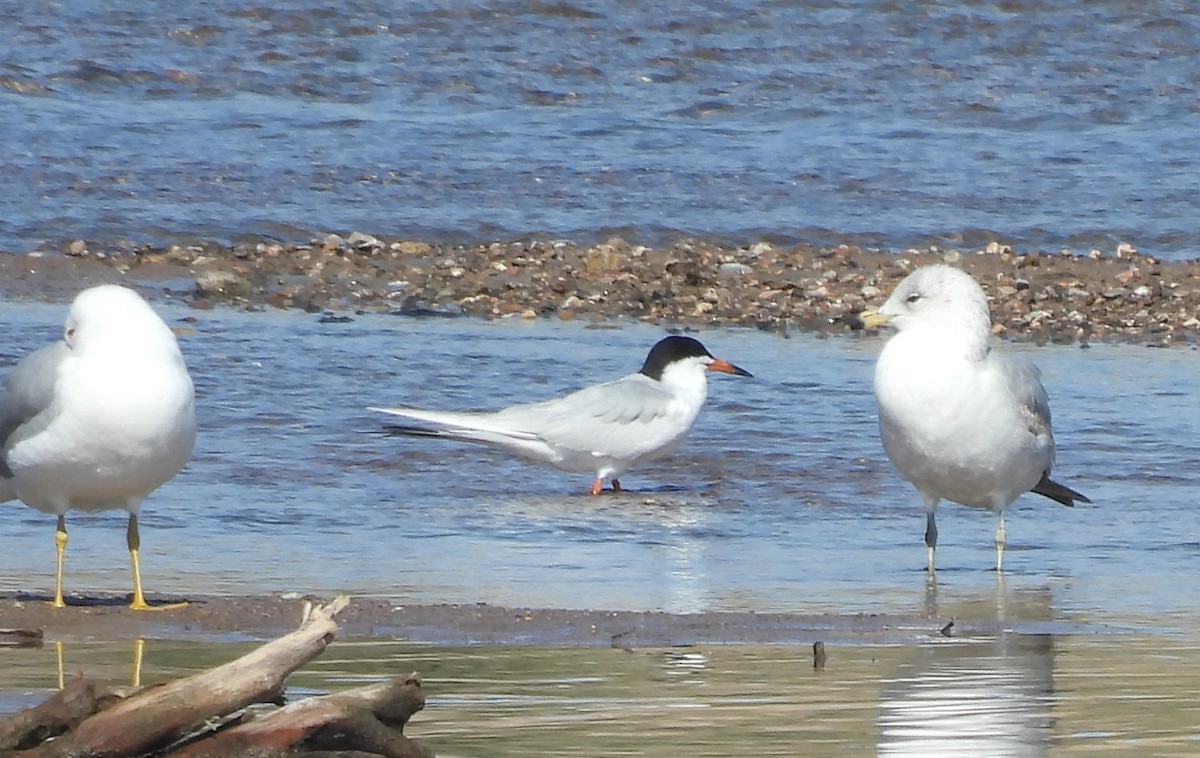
{"type": "Point", "coordinates": [887, 123]}
{"type": "Point", "coordinates": [781, 500]}
{"type": "Point", "coordinates": [1006, 695]}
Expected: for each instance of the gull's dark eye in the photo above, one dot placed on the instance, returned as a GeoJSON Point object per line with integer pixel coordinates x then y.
{"type": "Point", "coordinates": [914, 297]}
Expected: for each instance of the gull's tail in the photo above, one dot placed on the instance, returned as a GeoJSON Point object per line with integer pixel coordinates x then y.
{"type": "Point", "coordinates": [1057, 492]}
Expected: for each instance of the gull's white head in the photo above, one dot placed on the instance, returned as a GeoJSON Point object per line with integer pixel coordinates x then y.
{"type": "Point", "coordinates": [937, 295]}
{"type": "Point", "coordinates": [111, 313]}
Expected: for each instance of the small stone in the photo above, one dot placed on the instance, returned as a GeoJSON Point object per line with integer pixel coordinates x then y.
{"type": "Point", "coordinates": [734, 269]}
{"type": "Point", "coordinates": [215, 282]}
{"type": "Point", "coordinates": [412, 248]}
{"type": "Point", "coordinates": [77, 248]}
{"type": "Point", "coordinates": [602, 259]}
{"type": "Point", "coordinates": [360, 241]}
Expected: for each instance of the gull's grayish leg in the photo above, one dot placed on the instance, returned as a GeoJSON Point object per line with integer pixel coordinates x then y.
{"type": "Point", "coordinates": [930, 531]}
{"type": "Point", "coordinates": [1000, 541]}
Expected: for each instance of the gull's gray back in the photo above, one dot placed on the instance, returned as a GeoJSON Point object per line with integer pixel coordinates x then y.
{"type": "Point", "coordinates": [28, 391]}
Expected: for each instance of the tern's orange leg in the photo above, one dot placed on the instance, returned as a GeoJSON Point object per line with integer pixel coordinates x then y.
{"type": "Point", "coordinates": [616, 486]}
{"type": "Point", "coordinates": [597, 486]}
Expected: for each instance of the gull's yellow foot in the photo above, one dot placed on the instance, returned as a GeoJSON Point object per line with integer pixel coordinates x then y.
{"type": "Point", "coordinates": [133, 539]}
{"type": "Point", "coordinates": [58, 653]}
{"type": "Point", "coordinates": [139, 600]}
{"type": "Point", "coordinates": [60, 548]}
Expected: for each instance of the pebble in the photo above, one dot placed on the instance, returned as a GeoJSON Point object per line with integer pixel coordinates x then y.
{"type": "Point", "coordinates": [734, 269]}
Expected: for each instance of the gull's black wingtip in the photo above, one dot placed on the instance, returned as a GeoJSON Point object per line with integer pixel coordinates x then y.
{"type": "Point", "coordinates": [1059, 493]}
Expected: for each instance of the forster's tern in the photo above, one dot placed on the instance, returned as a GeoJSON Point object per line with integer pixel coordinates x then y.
{"type": "Point", "coordinates": [98, 420]}
{"type": "Point", "coordinates": [603, 429]}
{"type": "Point", "coordinates": [960, 420]}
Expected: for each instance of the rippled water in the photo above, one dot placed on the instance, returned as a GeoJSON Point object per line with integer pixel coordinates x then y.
{"type": "Point", "coordinates": [781, 500]}
{"type": "Point", "coordinates": [1004, 695]}
{"type": "Point", "coordinates": [887, 123]}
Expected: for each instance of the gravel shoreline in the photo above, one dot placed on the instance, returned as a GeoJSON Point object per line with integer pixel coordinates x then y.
{"type": "Point", "coordinates": [1062, 297]}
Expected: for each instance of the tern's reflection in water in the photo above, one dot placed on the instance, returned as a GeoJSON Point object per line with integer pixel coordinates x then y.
{"type": "Point", "coordinates": [978, 698]}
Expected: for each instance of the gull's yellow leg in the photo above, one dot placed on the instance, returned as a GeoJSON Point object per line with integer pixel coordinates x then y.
{"type": "Point", "coordinates": [135, 542]}
{"type": "Point", "coordinates": [60, 547]}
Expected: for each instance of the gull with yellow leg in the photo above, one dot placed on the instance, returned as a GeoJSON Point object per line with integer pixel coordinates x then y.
{"type": "Point", "coordinates": [99, 419]}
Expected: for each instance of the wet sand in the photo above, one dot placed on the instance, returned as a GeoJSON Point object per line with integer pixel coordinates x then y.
{"type": "Point", "coordinates": [1061, 296]}
{"type": "Point", "coordinates": [232, 619]}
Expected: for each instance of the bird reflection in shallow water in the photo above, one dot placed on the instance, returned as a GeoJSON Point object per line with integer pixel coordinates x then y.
{"type": "Point", "coordinates": [986, 698]}
{"type": "Point", "coordinates": [135, 667]}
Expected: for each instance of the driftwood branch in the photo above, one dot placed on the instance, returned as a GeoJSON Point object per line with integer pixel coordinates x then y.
{"type": "Point", "coordinates": [61, 712]}
{"type": "Point", "coordinates": [157, 716]}
{"type": "Point", "coordinates": [366, 721]}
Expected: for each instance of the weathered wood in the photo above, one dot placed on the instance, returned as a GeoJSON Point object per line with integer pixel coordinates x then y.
{"type": "Point", "coordinates": [59, 713]}
{"type": "Point", "coordinates": [157, 716]}
{"type": "Point", "coordinates": [20, 637]}
{"type": "Point", "coordinates": [365, 721]}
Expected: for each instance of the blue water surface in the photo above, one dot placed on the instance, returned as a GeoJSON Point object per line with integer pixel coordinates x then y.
{"type": "Point", "coordinates": [780, 500]}
{"type": "Point", "coordinates": [1042, 124]}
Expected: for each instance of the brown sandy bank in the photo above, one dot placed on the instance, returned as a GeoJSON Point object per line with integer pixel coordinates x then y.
{"type": "Point", "coordinates": [1043, 296]}
{"type": "Point", "coordinates": [230, 619]}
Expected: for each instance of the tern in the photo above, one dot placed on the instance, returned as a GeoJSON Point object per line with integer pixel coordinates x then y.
{"type": "Point", "coordinates": [99, 419]}
{"type": "Point", "coordinates": [602, 429]}
{"type": "Point", "coordinates": [960, 420]}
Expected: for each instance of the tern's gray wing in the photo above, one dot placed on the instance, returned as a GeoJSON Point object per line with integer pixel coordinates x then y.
{"type": "Point", "coordinates": [27, 393]}
{"type": "Point", "coordinates": [604, 418]}
{"type": "Point", "coordinates": [615, 419]}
